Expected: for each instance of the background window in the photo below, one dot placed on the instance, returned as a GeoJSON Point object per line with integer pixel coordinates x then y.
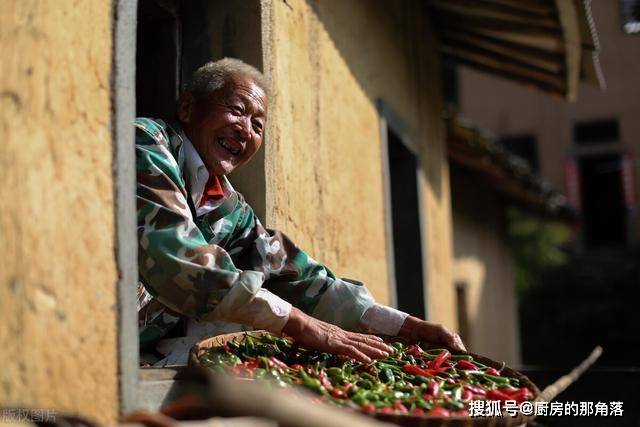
{"type": "Point", "coordinates": [630, 11]}
{"type": "Point", "coordinates": [596, 132]}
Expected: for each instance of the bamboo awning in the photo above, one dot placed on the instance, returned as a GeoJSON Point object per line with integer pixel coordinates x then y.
{"type": "Point", "coordinates": [549, 44]}
{"type": "Point", "coordinates": [474, 150]}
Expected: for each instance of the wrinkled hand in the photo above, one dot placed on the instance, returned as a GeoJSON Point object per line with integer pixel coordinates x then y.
{"type": "Point", "coordinates": [315, 334]}
{"type": "Point", "coordinates": [415, 329]}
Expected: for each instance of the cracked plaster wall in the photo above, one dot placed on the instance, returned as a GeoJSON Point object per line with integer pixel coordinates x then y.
{"type": "Point", "coordinates": [58, 275]}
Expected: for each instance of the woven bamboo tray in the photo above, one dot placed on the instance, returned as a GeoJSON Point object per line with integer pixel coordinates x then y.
{"type": "Point", "coordinates": [407, 420]}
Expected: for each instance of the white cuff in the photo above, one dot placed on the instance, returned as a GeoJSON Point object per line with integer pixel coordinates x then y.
{"type": "Point", "coordinates": [263, 311]}
{"type": "Point", "coordinates": [380, 319]}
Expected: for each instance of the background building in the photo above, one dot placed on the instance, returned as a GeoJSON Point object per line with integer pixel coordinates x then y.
{"type": "Point", "coordinates": [588, 149]}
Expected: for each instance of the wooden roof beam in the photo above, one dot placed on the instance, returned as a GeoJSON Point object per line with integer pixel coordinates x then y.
{"type": "Point", "coordinates": [502, 62]}
{"type": "Point", "coordinates": [558, 87]}
{"type": "Point", "coordinates": [450, 17]}
{"type": "Point", "coordinates": [538, 58]}
{"type": "Point", "coordinates": [478, 9]}
{"type": "Point", "coordinates": [510, 7]}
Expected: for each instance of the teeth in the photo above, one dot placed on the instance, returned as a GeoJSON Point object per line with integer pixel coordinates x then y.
{"type": "Point", "coordinates": [229, 148]}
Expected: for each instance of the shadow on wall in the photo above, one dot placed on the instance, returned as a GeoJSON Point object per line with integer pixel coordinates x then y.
{"type": "Point", "coordinates": [484, 263]}
{"type": "Point", "coordinates": [390, 52]}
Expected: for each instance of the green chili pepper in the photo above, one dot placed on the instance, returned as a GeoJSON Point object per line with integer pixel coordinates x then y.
{"type": "Point", "coordinates": [398, 346]}
{"type": "Point", "coordinates": [421, 403]}
{"type": "Point", "coordinates": [335, 372]}
{"type": "Point", "coordinates": [456, 393]}
{"type": "Point", "coordinates": [497, 380]}
{"type": "Point", "coordinates": [371, 396]}
{"type": "Point", "coordinates": [312, 383]}
{"type": "Point", "coordinates": [359, 399]}
{"type": "Point", "coordinates": [366, 384]}
{"type": "Point", "coordinates": [457, 357]}
{"type": "Point", "coordinates": [454, 404]}
{"type": "Point", "coordinates": [386, 375]}
{"type": "Point", "coordinates": [368, 376]}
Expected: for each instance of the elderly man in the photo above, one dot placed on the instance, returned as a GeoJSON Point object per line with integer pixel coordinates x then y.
{"type": "Point", "coordinates": [203, 253]}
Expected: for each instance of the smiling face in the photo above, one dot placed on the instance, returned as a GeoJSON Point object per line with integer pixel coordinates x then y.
{"type": "Point", "coordinates": [226, 128]}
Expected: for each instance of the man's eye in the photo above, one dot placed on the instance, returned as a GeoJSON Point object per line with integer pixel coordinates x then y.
{"type": "Point", "coordinates": [257, 127]}
{"type": "Point", "coordinates": [236, 110]}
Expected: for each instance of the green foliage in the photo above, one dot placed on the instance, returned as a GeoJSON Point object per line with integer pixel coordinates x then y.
{"type": "Point", "coordinates": [537, 247]}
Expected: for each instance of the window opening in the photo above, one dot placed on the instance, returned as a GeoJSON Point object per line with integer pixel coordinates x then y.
{"type": "Point", "coordinates": [405, 214]}
{"type": "Point", "coordinates": [599, 132]}
{"type": "Point", "coordinates": [604, 218]}
{"type": "Point", "coordinates": [602, 198]}
{"type": "Point", "coordinates": [157, 58]}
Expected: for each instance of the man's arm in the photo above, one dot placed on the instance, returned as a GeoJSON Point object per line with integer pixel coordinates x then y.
{"type": "Point", "coordinates": [192, 276]}
{"type": "Point", "coordinates": [312, 287]}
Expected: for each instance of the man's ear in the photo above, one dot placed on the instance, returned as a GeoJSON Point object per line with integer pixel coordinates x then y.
{"type": "Point", "coordinates": [186, 104]}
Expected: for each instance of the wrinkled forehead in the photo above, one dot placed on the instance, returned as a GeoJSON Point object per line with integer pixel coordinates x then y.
{"type": "Point", "coordinates": [245, 89]}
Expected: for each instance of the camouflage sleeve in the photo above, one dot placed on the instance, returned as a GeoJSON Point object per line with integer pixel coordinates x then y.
{"type": "Point", "coordinates": [222, 271]}
{"type": "Point", "coordinates": [178, 265]}
{"type": "Point", "coordinates": [294, 276]}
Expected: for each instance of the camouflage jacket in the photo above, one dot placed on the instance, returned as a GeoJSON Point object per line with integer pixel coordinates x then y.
{"type": "Point", "coordinates": [213, 266]}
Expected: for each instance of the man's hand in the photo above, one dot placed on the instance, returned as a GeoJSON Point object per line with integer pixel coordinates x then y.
{"type": "Point", "coordinates": [317, 335]}
{"type": "Point", "coordinates": [415, 329]}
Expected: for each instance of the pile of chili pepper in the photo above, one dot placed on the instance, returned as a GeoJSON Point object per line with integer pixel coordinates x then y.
{"type": "Point", "coordinates": [411, 380]}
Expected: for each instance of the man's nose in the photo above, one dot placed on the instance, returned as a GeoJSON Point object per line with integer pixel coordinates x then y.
{"type": "Point", "coordinates": [245, 128]}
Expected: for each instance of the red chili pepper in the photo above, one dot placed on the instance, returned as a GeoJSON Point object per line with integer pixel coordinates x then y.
{"type": "Point", "coordinates": [226, 347]}
{"type": "Point", "coordinates": [398, 406]}
{"type": "Point", "coordinates": [414, 350]}
{"type": "Point", "coordinates": [416, 370]}
{"type": "Point", "coordinates": [247, 367]}
{"type": "Point", "coordinates": [386, 410]}
{"type": "Point", "coordinates": [439, 412]}
{"type": "Point", "coordinates": [297, 367]}
{"type": "Point", "coordinates": [466, 396]}
{"type": "Point", "coordinates": [440, 359]}
{"type": "Point", "coordinates": [433, 387]}
{"type": "Point", "coordinates": [277, 362]}
{"type": "Point", "coordinates": [369, 408]}
{"type": "Point", "coordinates": [518, 394]}
{"type": "Point", "coordinates": [325, 381]}
{"type": "Point", "coordinates": [498, 395]}
{"type": "Point", "coordinates": [417, 411]}
{"type": "Point", "coordinates": [252, 364]}
{"type": "Point", "coordinates": [492, 371]}
{"type": "Point", "coordinates": [336, 392]}
{"type": "Point", "coordinates": [465, 365]}
{"type": "Point", "coordinates": [475, 390]}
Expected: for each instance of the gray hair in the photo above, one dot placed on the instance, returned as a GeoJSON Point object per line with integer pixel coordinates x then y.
{"type": "Point", "coordinates": [213, 75]}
